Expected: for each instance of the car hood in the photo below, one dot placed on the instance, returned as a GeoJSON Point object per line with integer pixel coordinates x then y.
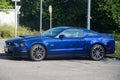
{"type": "Point", "coordinates": [31, 36]}
{"type": "Point", "coordinates": [22, 38]}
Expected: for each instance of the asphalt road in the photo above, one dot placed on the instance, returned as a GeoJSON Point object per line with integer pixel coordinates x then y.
{"type": "Point", "coordinates": [58, 69]}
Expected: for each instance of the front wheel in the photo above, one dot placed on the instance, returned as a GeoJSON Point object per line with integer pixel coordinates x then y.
{"type": "Point", "coordinates": [97, 52]}
{"type": "Point", "coordinates": [37, 52]}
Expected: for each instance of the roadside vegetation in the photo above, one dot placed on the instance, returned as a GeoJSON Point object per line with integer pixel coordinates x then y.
{"type": "Point", "coordinates": [117, 45]}
{"type": "Point", "coordinates": [117, 54]}
{"type": "Point", "coordinates": [116, 36]}
{"type": "Point", "coordinates": [7, 31]}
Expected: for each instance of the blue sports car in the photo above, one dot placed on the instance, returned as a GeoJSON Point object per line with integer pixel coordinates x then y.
{"type": "Point", "coordinates": [61, 41]}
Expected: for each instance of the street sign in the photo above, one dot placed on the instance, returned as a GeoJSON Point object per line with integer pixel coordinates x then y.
{"type": "Point", "coordinates": [50, 9]}
{"type": "Point", "coordinates": [16, 0]}
{"type": "Point", "coordinates": [18, 9]}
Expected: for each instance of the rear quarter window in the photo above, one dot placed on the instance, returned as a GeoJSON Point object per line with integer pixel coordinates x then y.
{"type": "Point", "coordinates": [92, 33]}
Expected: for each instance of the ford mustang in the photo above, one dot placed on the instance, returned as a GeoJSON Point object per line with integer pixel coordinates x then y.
{"type": "Point", "coordinates": [61, 41]}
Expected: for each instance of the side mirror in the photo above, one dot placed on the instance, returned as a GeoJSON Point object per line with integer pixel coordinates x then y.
{"type": "Point", "coordinates": [61, 36]}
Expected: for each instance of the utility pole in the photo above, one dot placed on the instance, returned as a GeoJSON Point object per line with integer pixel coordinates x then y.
{"type": "Point", "coordinates": [16, 17]}
{"type": "Point", "coordinates": [40, 16]}
{"type": "Point", "coordinates": [88, 14]}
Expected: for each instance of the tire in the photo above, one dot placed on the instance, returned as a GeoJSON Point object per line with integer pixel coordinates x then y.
{"type": "Point", "coordinates": [97, 52]}
{"type": "Point", "coordinates": [37, 52]}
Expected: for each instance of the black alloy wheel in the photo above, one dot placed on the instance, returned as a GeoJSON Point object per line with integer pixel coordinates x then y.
{"type": "Point", "coordinates": [97, 52]}
{"type": "Point", "coordinates": [37, 52]}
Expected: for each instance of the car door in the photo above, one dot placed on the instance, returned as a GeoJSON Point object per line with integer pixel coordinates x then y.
{"type": "Point", "coordinates": [72, 42]}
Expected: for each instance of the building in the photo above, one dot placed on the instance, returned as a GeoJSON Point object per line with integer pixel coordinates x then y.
{"type": "Point", "coordinates": [7, 17]}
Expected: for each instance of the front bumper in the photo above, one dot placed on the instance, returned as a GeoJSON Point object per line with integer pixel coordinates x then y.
{"type": "Point", "coordinates": [16, 51]}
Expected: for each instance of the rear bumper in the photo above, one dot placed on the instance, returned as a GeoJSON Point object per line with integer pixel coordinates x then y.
{"type": "Point", "coordinates": [110, 48]}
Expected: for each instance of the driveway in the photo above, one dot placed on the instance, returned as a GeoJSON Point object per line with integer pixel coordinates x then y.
{"type": "Point", "coordinates": [58, 69]}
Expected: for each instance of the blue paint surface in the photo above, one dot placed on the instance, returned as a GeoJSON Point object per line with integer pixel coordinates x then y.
{"type": "Point", "coordinates": [76, 42]}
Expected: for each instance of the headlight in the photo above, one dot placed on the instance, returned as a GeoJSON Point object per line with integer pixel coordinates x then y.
{"type": "Point", "coordinates": [21, 44]}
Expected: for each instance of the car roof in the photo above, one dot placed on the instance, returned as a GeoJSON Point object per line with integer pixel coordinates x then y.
{"type": "Point", "coordinates": [72, 27]}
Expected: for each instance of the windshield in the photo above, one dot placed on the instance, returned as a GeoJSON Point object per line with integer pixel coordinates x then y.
{"type": "Point", "coordinates": [52, 32]}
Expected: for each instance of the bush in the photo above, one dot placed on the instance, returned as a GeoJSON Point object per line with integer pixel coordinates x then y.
{"type": "Point", "coordinates": [116, 36]}
{"type": "Point", "coordinates": [117, 45]}
{"type": "Point", "coordinates": [8, 31]}
{"type": "Point", "coordinates": [23, 31]}
{"type": "Point", "coordinates": [117, 49]}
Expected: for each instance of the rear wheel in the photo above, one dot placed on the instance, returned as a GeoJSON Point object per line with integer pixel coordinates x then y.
{"type": "Point", "coordinates": [97, 52]}
{"type": "Point", "coordinates": [37, 52]}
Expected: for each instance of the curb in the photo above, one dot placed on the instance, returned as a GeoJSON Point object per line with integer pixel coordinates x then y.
{"type": "Point", "coordinates": [118, 58]}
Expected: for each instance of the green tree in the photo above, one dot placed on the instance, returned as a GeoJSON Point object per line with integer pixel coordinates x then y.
{"type": "Point", "coordinates": [30, 13]}
{"type": "Point", "coordinates": [112, 8]}
{"type": "Point", "coordinates": [69, 12]}
{"type": "Point", "coordinates": [5, 4]}
{"type": "Point", "coordinates": [105, 15]}
{"type": "Point", "coordinates": [65, 12]}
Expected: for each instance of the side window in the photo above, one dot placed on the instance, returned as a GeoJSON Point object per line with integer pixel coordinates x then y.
{"type": "Point", "coordinates": [73, 33]}
{"type": "Point", "coordinates": [92, 33]}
